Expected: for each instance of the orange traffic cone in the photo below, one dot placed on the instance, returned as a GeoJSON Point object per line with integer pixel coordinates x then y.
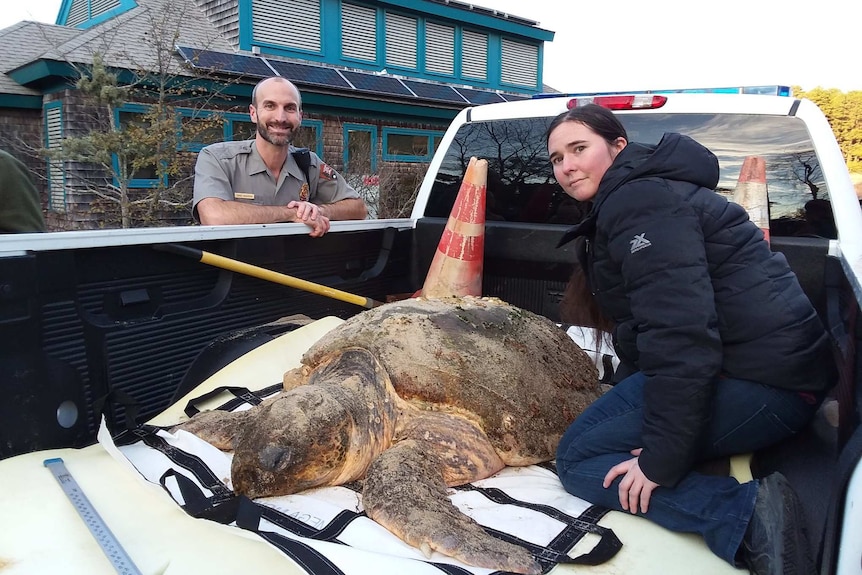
{"type": "Point", "coordinates": [456, 269]}
{"type": "Point", "coordinates": [751, 192]}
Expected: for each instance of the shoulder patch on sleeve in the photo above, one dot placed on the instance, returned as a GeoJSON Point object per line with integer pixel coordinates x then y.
{"type": "Point", "coordinates": [326, 172]}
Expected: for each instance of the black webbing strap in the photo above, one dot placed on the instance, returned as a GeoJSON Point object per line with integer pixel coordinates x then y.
{"type": "Point", "coordinates": [189, 462]}
{"type": "Point", "coordinates": [302, 157]}
{"type": "Point", "coordinates": [250, 517]}
{"type": "Point", "coordinates": [118, 397]}
{"type": "Point", "coordinates": [576, 528]}
{"type": "Point", "coordinates": [226, 507]}
{"type": "Point", "coordinates": [222, 510]}
{"type": "Point", "coordinates": [241, 395]}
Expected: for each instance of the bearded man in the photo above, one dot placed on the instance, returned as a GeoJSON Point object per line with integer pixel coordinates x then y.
{"type": "Point", "coordinates": [263, 181]}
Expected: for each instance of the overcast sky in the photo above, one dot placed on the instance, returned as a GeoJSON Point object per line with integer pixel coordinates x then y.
{"type": "Point", "coordinates": [636, 45]}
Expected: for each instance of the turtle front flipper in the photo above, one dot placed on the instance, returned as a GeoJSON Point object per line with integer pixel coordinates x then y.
{"type": "Point", "coordinates": [218, 428]}
{"type": "Point", "coordinates": [406, 493]}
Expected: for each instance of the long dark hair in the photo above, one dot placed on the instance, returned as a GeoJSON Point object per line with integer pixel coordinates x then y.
{"type": "Point", "coordinates": [578, 306]}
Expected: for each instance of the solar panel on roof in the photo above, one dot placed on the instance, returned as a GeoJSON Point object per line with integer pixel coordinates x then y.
{"type": "Point", "coordinates": [306, 74]}
{"type": "Point", "coordinates": [243, 65]}
{"type": "Point", "coordinates": [434, 91]}
{"type": "Point", "coordinates": [374, 83]}
{"type": "Point", "coordinates": [225, 62]}
{"type": "Point", "coordinates": [481, 96]}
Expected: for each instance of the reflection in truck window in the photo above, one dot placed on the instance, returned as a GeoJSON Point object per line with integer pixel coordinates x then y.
{"type": "Point", "coordinates": [522, 188]}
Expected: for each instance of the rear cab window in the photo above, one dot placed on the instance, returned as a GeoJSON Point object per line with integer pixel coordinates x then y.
{"type": "Point", "coordinates": [522, 188]}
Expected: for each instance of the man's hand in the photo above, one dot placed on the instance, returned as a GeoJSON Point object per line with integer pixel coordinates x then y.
{"type": "Point", "coordinates": [310, 215]}
{"type": "Point", "coordinates": [635, 487]}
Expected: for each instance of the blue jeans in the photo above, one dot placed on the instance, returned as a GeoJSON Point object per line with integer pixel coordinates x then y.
{"type": "Point", "coordinates": [746, 416]}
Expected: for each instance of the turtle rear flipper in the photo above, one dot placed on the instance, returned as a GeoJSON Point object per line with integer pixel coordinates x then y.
{"type": "Point", "coordinates": [405, 492]}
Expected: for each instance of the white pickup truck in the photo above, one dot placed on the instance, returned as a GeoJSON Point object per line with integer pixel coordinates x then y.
{"type": "Point", "coordinates": [117, 325]}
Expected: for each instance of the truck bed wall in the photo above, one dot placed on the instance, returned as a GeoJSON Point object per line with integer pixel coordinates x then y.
{"type": "Point", "coordinates": [523, 266]}
{"type": "Point", "coordinates": [78, 324]}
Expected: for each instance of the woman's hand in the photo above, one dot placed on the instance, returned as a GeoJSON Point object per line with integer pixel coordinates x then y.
{"type": "Point", "coordinates": [635, 487]}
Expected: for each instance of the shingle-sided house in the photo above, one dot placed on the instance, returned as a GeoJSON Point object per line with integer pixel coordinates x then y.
{"type": "Point", "coordinates": [380, 79]}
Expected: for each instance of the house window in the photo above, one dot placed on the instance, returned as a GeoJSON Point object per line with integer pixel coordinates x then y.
{"type": "Point", "coordinates": [310, 135]}
{"type": "Point", "coordinates": [200, 128]}
{"type": "Point", "coordinates": [239, 127]}
{"type": "Point", "coordinates": [474, 55]}
{"type": "Point", "coordinates": [53, 141]}
{"type": "Point", "coordinates": [519, 63]}
{"type": "Point", "coordinates": [440, 48]}
{"type": "Point", "coordinates": [146, 176]}
{"type": "Point", "coordinates": [360, 149]}
{"type": "Point", "coordinates": [98, 7]}
{"type": "Point", "coordinates": [294, 24]}
{"type": "Point", "coordinates": [401, 41]}
{"type": "Point", "coordinates": [400, 145]}
{"type": "Point", "coordinates": [79, 13]}
{"type": "Point", "coordinates": [358, 32]}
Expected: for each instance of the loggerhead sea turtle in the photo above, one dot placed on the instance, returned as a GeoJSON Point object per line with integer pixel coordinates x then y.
{"type": "Point", "coordinates": [414, 396]}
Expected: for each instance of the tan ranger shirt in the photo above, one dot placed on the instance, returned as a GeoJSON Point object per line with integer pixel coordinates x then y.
{"type": "Point", "coordinates": [235, 171]}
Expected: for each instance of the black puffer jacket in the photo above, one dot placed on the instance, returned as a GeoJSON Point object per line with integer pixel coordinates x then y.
{"type": "Point", "coordinates": [695, 293]}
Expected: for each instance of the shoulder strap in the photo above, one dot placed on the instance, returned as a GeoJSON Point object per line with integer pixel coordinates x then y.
{"type": "Point", "coordinates": [302, 157]}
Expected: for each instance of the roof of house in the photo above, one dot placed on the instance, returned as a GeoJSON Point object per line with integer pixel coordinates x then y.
{"type": "Point", "coordinates": [24, 42]}
{"type": "Point", "coordinates": [131, 40]}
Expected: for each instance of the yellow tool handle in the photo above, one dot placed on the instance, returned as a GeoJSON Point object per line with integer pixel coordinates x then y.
{"type": "Point", "coordinates": [267, 275]}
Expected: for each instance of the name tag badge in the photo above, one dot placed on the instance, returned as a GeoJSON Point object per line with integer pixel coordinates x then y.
{"type": "Point", "coordinates": [243, 196]}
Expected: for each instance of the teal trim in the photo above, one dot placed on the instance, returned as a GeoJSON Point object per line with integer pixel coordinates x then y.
{"type": "Point", "coordinates": [277, 50]}
{"type": "Point", "coordinates": [20, 101]}
{"type": "Point", "coordinates": [193, 113]}
{"type": "Point", "coordinates": [64, 12]}
{"type": "Point", "coordinates": [325, 103]}
{"type": "Point", "coordinates": [330, 29]}
{"type": "Point", "coordinates": [49, 76]}
{"type": "Point", "coordinates": [429, 134]}
{"type": "Point", "coordinates": [420, 45]}
{"type": "Point", "coordinates": [125, 6]}
{"type": "Point", "coordinates": [540, 61]}
{"type": "Point", "coordinates": [318, 131]}
{"type": "Point", "coordinates": [458, 51]}
{"type": "Point", "coordinates": [346, 129]}
{"type": "Point", "coordinates": [245, 24]}
{"type": "Point", "coordinates": [229, 119]}
{"type": "Point", "coordinates": [381, 38]}
{"type": "Point", "coordinates": [66, 7]}
{"type": "Point", "coordinates": [39, 70]}
{"type": "Point", "coordinates": [475, 18]}
{"type": "Point", "coordinates": [495, 60]}
{"type": "Point", "coordinates": [46, 143]}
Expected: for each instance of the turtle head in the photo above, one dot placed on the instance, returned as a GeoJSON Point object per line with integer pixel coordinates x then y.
{"type": "Point", "coordinates": [301, 440]}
